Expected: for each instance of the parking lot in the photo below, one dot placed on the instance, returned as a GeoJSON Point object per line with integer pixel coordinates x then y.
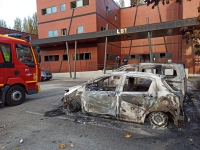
{"type": "Point", "coordinates": [39, 124]}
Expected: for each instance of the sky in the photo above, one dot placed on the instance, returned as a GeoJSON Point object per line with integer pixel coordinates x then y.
{"type": "Point", "coordinates": [11, 9]}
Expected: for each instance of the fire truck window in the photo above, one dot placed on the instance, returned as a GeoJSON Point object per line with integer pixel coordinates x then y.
{"type": "Point", "coordinates": [6, 51]}
{"type": "Point", "coordinates": [24, 54]}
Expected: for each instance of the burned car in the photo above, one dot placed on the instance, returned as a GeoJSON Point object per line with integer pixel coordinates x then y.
{"type": "Point", "coordinates": [175, 73]}
{"type": "Point", "coordinates": [128, 96]}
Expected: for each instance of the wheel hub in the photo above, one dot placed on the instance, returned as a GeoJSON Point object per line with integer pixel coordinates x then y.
{"type": "Point", "coordinates": [158, 119]}
{"type": "Point", "coordinates": [16, 95]}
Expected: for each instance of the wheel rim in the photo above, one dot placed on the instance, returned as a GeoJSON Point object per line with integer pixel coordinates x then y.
{"type": "Point", "coordinates": [158, 119]}
{"type": "Point", "coordinates": [16, 95]}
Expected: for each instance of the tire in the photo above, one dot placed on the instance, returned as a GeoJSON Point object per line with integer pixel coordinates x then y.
{"type": "Point", "coordinates": [73, 106]}
{"type": "Point", "coordinates": [15, 95]}
{"type": "Point", "coordinates": [158, 119]}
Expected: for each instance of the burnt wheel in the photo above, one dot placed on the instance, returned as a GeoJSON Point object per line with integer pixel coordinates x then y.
{"type": "Point", "coordinates": [158, 119]}
{"type": "Point", "coordinates": [15, 95]}
{"type": "Point", "coordinates": [73, 106]}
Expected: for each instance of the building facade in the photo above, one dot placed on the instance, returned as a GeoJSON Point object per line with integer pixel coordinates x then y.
{"type": "Point", "coordinates": [58, 18]}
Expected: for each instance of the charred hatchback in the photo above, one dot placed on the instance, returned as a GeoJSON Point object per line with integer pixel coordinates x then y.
{"type": "Point", "coordinates": [128, 96]}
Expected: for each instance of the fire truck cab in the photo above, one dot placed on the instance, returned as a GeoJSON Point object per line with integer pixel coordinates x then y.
{"type": "Point", "coordinates": [19, 70]}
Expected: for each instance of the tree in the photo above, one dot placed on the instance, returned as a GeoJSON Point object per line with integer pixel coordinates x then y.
{"type": "Point", "coordinates": [30, 25]}
{"type": "Point", "coordinates": [35, 26]}
{"type": "Point", "coordinates": [3, 23]}
{"type": "Point", "coordinates": [18, 24]}
{"type": "Point", "coordinates": [25, 25]}
{"type": "Point", "coordinates": [121, 3]}
{"type": "Point", "coordinates": [136, 2]}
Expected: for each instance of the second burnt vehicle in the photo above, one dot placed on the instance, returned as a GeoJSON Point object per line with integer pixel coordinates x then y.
{"type": "Point", "coordinates": [128, 96]}
{"type": "Point", "coordinates": [175, 73]}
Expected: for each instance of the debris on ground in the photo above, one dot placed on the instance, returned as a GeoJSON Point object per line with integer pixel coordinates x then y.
{"type": "Point", "coordinates": [72, 145]}
{"type": "Point", "coordinates": [2, 127]}
{"type": "Point", "coordinates": [21, 140]}
{"type": "Point", "coordinates": [190, 139]}
{"type": "Point", "coordinates": [128, 136]}
{"type": "Point", "coordinates": [62, 146]}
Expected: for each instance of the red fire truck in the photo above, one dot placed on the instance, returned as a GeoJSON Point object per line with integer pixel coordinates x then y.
{"type": "Point", "coordinates": [19, 69]}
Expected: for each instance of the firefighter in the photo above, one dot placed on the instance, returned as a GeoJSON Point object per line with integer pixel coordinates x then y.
{"type": "Point", "coordinates": [118, 60]}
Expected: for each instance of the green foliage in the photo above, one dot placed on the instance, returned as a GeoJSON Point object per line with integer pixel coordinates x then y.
{"type": "Point", "coordinates": [17, 24]}
{"type": "Point", "coordinates": [29, 24]}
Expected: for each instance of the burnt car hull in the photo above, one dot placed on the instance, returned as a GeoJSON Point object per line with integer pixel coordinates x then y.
{"type": "Point", "coordinates": [126, 96]}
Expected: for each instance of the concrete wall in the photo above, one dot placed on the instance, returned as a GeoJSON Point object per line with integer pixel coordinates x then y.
{"type": "Point", "coordinates": [87, 75]}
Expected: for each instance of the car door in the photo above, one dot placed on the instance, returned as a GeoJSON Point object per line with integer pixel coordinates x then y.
{"type": "Point", "coordinates": [1, 69]}
{"type": "Point", "coordinates": [100, 97]}
{"type": "Point", "coordinates": [137, 97]}
{"type": "Point", "coordinates": [6, 65]}
{"type": "Point", "coordinates": [25, 63]}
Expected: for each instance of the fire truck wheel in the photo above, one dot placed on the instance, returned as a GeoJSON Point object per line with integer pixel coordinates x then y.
{"type": "Point", "coordinates": [15, 95]}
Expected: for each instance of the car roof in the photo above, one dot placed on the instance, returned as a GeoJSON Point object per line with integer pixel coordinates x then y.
{"type": "Point", "coordinates": [142, 74]}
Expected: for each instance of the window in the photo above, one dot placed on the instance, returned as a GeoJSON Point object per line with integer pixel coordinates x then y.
{"type": "Point", "coordinates": [87, 56]}
{"type": "Point", "coordinates": [64, 31]}
{"type": "Point", "coordinates": [111, 13]}
{"type": "Point", "coordinates": [82, 56]}
{"type": "Point", "coordinates": [62, 7]}
{"type": "Point", "coordinates": [108, 83]}
{"type": "Point", "coordinates": [51, 58]}
{"type": "Point", "coordinates": [5, 49]}
{"type": "Point", "coordinates": [170, 73]}
{"type": "Point", "coordinates": [111, 57]}
{"type": "Point", "coordinates": [52, 33]}
{"type": "Point", "coordinates": [162, 55]}
{"type": "Point", "coordinates": [102, 28]}
{"type": "Point", "coordinates": [137, 84]}
{"type": "Point", "coordinates": [54, 9]}
{"type": "Point", "coordinates": [49, 10]}
{"type": "Point", "coordinates": [24, 54]}
{"type": "Point", "coordinates": [65, 57]}
{"type": "Point", "coordinates": [80, 29]}
{"type": "Point", "coordinates": [79, 3]}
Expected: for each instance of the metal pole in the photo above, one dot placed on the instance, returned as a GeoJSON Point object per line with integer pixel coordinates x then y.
{"type": "Point", "coordinates": [105, 56]}
{"type": "Point", "coordinates": [164, 36]}
{"type": "Point", "coordinates": [68, 58]}
{"type": "Point", "coordinates": [75, 60]}
{"type": "Point", "coordinates": [149, 42]}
